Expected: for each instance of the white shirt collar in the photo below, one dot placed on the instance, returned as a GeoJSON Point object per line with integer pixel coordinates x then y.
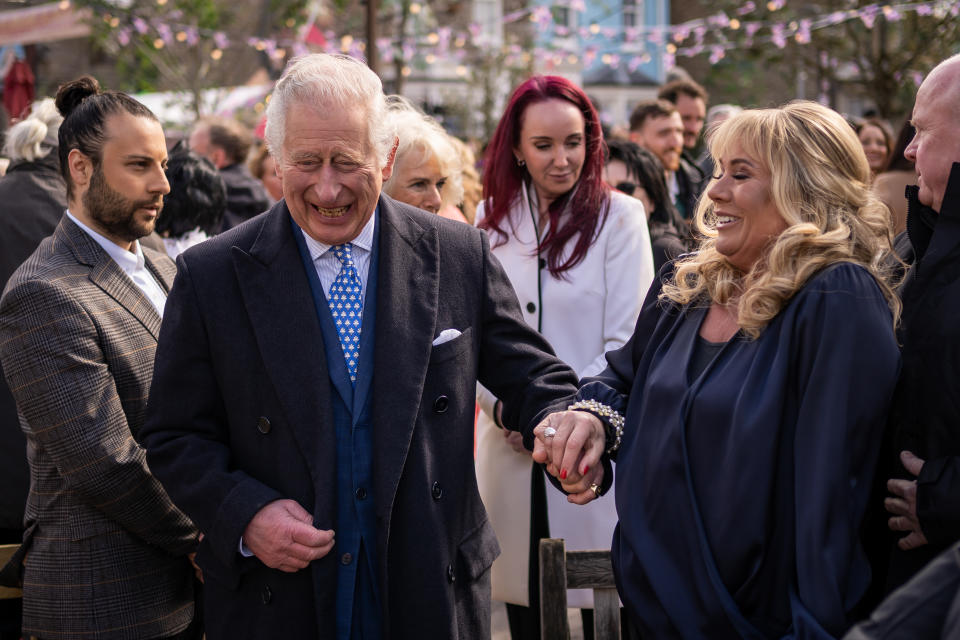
{"type": "Point", "coordinates": [128, 261]}
{"type": "Point", "coordinates": [364, 239]}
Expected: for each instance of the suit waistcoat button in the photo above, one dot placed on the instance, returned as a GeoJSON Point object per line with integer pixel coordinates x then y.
{"type": "Point", "coordinates": [266, 595]}
{"type": "Point", "coordinates": [437, 491]}
{"type": "Point", "coordinates": [263, 425]}
{"type": "Point", "coordinates": [531, 307]}
{"type": "Point", "coordinates": [440, 404]}
{"type": "Point", "coordinates": [361, 493]}
{"type": "Point", "coordinates": [346, 558]}
{"type": "Point", "coordinates": [451, 577]}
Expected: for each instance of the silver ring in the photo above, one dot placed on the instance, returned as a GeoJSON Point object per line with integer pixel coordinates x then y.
{"type": "Point", "coordinates": [595, 489]}
{"type": "Point", "coordinates": [549, 432]}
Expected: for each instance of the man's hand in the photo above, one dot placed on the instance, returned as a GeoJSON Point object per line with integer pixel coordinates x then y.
{"type": "Point", "coordinates": [515, 440]}
{"type": "Point", "coordinates": [572, 453]}
{"type": "Point", "coordinates": [903, 505]}
{"type": "Point", "coordinates": [283, 537]}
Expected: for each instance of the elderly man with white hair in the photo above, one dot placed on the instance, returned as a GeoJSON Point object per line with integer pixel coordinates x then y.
{"type": "Point", "coordinates": [312, 405]}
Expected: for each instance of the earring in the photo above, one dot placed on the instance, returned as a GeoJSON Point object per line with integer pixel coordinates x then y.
{"type": "Point", "coordinates": [520, 162]}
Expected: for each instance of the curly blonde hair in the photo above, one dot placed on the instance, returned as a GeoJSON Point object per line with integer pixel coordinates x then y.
{"type": "Point", "coordinates": [819, 183]}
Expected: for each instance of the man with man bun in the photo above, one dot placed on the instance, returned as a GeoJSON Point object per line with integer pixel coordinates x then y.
{"type": "Point", "coordinates": [105, 551]}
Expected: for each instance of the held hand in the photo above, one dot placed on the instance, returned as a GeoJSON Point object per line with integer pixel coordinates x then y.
{"type": "Point", "coordinates": [570, 443]}
{"type": "Point", "coordinates": [903, 505]}
{"type": "Point", "coordinates": [283, 537]}
{"type": "Point", "coordinates": [584, 491]}
{"type": "Point", "coordinates": [515, 440]}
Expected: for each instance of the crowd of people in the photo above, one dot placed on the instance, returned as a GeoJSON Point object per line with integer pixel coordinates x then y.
{"type": "Point", "coordinates": [340, 381]}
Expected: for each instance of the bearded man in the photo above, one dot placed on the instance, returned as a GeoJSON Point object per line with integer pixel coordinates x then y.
{"type": "Point", "coordinates": [105, 552]}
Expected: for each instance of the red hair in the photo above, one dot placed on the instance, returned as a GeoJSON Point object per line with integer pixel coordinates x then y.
{"type": "Point", "coordinates": [589, 200]}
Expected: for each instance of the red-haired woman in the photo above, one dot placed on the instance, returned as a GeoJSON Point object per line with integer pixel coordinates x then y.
{"type": "Point", "coordinates": [578, 255]}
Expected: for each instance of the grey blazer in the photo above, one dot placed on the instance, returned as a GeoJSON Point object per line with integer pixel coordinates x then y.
{"type": "Point", "coordinates": [105, 548]}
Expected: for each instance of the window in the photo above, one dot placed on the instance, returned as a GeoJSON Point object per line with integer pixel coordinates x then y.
{"type": "Point", "coordinates": [631, 13]}
{"type": "Point", "coordinates": [561, 15]}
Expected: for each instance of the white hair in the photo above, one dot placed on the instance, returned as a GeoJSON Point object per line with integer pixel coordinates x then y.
{"type": "Point", "coordinates": [36, 135]}
{"type": "Point", "coordinates": [722, 112]}
{"type": "Point", "coordinates": [420, 137]}
{"type": "Point", "coordinates": [325, 81]}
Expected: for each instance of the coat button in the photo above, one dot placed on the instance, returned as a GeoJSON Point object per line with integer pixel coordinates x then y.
{"type": "Point", "coordinates": [543, 263]}
{"type": "Point", "coordinates": [361, 493]}
{"type": "Point", "coordinates": [346, 558]}
{"type": "Point", "coordinates": [266, 595]}
{"type": "Point", "coordinates": [440, 404]}
{"type": "Point", "coordinates": [531, 307]}
{"type": "Point", "coordinates": [437, 491]}
{"type": "Point", "coordinates": [263, 425]}
{"type": "Point", "coordinates": [451, 578]}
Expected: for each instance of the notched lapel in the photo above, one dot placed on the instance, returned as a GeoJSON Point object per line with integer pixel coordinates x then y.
{"type": "Point", "coordinates": [107, 274]}
{"type": "Point", "coordinates": [277, 298]}
{"type": "Point", "coordinates": [408, 288]}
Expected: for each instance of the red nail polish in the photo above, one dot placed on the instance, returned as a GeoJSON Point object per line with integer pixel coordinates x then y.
{"type": "Point", "coordinates": [563, 474]}
{"type": "Point", "coordinates": [585, 470]}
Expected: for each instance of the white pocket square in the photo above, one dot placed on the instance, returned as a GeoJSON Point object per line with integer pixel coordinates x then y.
{"type": "Point", "coordinates": [446, 336]}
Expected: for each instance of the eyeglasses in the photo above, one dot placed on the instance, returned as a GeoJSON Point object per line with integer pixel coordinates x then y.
{"type": "Point", "coordinates": [626, 187]}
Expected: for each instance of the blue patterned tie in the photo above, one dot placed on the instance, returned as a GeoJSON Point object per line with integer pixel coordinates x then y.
{"type": "Point", "coordinates": [346, 305]}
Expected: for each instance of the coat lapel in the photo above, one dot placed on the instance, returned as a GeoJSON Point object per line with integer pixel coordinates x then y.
{"type": "Point", "coordinates": [107, 274]}
{"type": "Point", "coordinates": [407, 295]}
{"type": "Point", "coordinates": [276, 294]}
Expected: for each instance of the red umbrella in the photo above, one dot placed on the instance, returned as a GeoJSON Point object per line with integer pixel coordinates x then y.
{"type": "Point", "coordinates": [18, 89]}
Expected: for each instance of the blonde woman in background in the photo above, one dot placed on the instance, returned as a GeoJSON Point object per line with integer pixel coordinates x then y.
{"type": "Point", "coordinates": [426, 168]}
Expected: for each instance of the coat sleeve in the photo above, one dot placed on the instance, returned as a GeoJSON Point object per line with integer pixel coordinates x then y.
{"type": "Point", "coordinates": [67, 395]}
{"type": "Point", "coordinates": [186, 433]}
{"type": "Point", "coordinates": [517, 364]}
{"type": "Point", "coordinates": [846, 362]}
{"type": "Point", "coordinates": [627, 274]}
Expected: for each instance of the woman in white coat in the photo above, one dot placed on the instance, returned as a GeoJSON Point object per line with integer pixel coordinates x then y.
{"type": "Point", "coordinates": [578, 255]}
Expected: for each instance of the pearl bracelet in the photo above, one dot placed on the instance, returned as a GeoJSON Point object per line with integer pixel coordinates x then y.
{"type": "Point", "coordinates": [607, 415]}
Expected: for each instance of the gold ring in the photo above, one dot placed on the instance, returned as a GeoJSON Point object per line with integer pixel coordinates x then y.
{"type": "Point", "coordinates": [595, 489]}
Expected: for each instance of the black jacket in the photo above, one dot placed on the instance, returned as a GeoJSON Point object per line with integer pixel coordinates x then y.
{"type": "Point", "coordinates": [926, 413]}
{"type": "Point", "coordinates": [246, 196]}
{"type": "Point", "coordinates": [690, 184]}
{"type": "Point", "coordinates": [33, 197]}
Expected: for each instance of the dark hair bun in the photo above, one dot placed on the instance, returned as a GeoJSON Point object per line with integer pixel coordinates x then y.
{"type": "Point", "coordinates": [71, 94]}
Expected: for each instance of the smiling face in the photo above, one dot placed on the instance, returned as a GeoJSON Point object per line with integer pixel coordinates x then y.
{"type": "Point", "coordinates": [693, 113]}
{"type": "Point", "coordinates": [936, 145]}
{"type": "Point", "coordinates": [553, 146]}
{"type": "Point", "coordinates": [874, 146]}
{"type": "Point", "coordinates": [663, 135]}
{"type": "Point", "coordinates": [122, 197]}
{"type": "Point", "coordinates": [418, 181]}
{"type": "Point", "coordinates": [747, 220]}
{"type": "Point", "coordinates": [330, 171]}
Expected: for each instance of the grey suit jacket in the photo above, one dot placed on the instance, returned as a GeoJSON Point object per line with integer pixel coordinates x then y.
{"type": "Point", "coordinates": [105, 547]}
{"type": "Point", "coordinates": [242, 354]}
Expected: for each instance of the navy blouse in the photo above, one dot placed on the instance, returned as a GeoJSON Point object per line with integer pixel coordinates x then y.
{"type": "Point", "coordinates": [741, 490]}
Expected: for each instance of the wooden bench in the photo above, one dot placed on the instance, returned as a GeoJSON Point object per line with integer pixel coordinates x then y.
{"type": "Point", "coordinates": [6, 552]}
{"type": "Point", "coordinates": [561, 570]}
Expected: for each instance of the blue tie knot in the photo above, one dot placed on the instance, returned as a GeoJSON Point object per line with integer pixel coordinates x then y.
{"type": "Point", "coordinates": [343, 253]}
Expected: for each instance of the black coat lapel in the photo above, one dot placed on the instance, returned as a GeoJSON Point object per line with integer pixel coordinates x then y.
{"type": "Point", "coordinates": [277, 298]}
{"type": "Point", "coordinates": [407, 291]}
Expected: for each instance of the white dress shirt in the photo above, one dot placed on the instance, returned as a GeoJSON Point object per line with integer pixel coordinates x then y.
{"type": "Point", "coordinates": [132, 263]}
{"type": "Point", "coordinates": [328, 265]}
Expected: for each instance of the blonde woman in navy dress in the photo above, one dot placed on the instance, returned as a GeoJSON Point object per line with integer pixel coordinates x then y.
{"type": "Point", "coordinates": [746, 412]}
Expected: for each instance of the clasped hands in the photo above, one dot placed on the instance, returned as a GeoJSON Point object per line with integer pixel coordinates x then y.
{"type": "Point", "coordinates": [572, 453]}
{"type": "Point", "coordinates": [903, 504]}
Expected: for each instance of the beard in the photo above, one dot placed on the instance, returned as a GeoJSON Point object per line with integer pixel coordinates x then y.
{"type": "Point", "coordinates": [116, 213]}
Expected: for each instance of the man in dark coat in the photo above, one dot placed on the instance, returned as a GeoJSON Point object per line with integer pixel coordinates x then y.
{"type": "Point", "coordinates": [226, 144]}
{"type": "Point", "coordinates": [313, 398]}
{"type": "Point", "coordinates": [924, 502]}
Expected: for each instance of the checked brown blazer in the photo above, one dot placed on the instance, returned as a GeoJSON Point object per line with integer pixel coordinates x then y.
{"type": "Point", "coordinates": [105, 547]}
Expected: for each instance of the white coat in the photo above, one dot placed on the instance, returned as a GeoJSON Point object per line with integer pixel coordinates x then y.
{"type": "Point", "coordinates": [591, 311]}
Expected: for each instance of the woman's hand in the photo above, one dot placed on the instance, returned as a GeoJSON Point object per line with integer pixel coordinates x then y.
{"type": "Point", "coordinates": [570, 443]}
